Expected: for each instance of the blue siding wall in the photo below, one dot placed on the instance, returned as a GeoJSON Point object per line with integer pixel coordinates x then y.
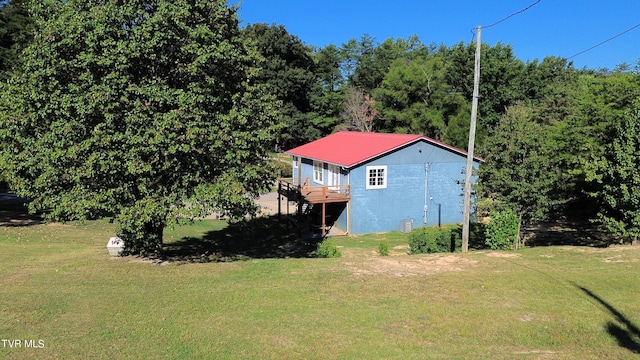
{"type": "Point", "coordinates": [420, 176]}
{"type": "Point", "coordinates": [307, 173]}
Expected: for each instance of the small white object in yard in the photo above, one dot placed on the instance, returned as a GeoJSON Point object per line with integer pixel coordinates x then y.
{"type": "Point", "coordinates": [115, 246]}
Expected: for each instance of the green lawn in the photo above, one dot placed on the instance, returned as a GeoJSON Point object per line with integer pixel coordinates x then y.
{"type": "Point", "coordinates": [60, 289]}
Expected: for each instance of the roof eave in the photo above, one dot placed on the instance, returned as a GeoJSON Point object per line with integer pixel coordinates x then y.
{"type": "Point", "coordinates": [318, 159]}
{"type": "Point", "coordinates": [362, 161]}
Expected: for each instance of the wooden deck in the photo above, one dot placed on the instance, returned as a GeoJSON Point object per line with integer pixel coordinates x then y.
{"type": "Point", "coordinates": [314, 194]}
{"type": "Point", "coordinates": [305, 194]}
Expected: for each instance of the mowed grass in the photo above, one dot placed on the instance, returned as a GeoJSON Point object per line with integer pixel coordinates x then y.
{"type": "Point", "coordinates": [59, 286]}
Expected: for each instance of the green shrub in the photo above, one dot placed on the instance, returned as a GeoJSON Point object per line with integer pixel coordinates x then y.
{"type": "Point", "coordinates": [327, 249]}
{"type": "Point", "coordinates": [502, 230]}
{"type": "Point", "coordinates": [426, 241]}
{"type": "Point", "coordinates": [383, 248]}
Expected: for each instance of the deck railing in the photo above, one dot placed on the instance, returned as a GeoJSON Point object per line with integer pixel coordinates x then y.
{"type": "Point", "coordinates": [314, 194]}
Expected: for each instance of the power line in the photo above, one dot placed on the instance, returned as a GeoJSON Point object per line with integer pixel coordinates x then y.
{"type": "Point", "coordinates": [506, 18]}
{"type": "Point", "coordinates": [606, 41]}
{"type": "Point", "coordinates": [512, 15]}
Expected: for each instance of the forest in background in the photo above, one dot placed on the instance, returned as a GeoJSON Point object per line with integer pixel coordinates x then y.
{"type": "Point", "coordinates": [559, 142]}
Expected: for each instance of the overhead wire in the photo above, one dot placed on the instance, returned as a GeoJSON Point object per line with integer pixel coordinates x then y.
{"type": "Point", "coordinates": [512, 15]}
{"type": "Point", "coordinates": [604, 42]}
{"type": "Point", "coordinates": [473, 34]}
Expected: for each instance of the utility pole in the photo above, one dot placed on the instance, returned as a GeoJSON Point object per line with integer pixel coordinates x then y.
{"type": "Point", "coordinates": [472, 139]}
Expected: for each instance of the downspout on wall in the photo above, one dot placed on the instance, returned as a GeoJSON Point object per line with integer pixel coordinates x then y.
{"type": "Point", "coordinates": [426, 193]}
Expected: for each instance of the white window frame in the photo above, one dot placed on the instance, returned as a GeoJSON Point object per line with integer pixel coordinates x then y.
{"type": "Point", "coordinates": [376, 169]}
{"type": "Point", "coordinates": [295, 162]}
{"type": "Point", "coordinates": [333, 177]}
{"type": "Point", "coordinates": [318, 172]}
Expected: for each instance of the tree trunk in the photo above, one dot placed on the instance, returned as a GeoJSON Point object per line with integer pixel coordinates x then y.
{"type": "Point", "coordinates": [142, 238]}
{"type": "Point", "coordinates": [153, 233]}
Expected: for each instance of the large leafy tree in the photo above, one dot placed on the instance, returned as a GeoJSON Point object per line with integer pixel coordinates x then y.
{"type": "Point", "coordinates": [584, 109]}
{"type": "Point", "coordinates": [520, 174]}
{"type": "Point", "coordinates": [548, 79]}
{"type": "Point", "coordinates": [373, 61]}
{"type": "Point", "coordinates": [618, 173]}
{"type": "Point", "coordinates": [288, 72]}
{"type": "Point", "coordinates": [414, 97]}
{"type": "Point", "coordinates": [551, 86]}
{"type": "Point", "coordinates": [143, 110]}
{"type": "Point", "coordinates": [327, 91]}
{"type": "Point", "coordinates": [500, 82]}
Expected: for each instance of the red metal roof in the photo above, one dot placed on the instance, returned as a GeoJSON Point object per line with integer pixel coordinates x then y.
{"type": "Point", "coordinates": [350, 148]}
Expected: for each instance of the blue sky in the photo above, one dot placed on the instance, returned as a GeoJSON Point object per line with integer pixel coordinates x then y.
{"type": "Point", "coordinates": [550, 28]}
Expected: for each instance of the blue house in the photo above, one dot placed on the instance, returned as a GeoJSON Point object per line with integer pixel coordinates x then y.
{"type": "Point", "coordinates": [372, 182]}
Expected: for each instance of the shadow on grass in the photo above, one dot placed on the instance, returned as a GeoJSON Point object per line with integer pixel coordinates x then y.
{"type": "Point", "coordinates": [546, 234]}
{"type": "Point", "coordinates": [260, 238]}
{"type": "Point", "coordinates": [566, 233]}
{"type": "Point", "coordinates": [13, 212]}
{"type": "Point", "coordinates": [626, 333]}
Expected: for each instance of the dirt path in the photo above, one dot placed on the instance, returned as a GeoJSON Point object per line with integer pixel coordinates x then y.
{"type": "Point", "coordinates": [269, 204]}
{"type": "Point", "coordinates": [400, 264]}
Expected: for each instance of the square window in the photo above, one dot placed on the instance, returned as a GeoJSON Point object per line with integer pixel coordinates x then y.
{"type": "Point", "coordinates": [376, 177]}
